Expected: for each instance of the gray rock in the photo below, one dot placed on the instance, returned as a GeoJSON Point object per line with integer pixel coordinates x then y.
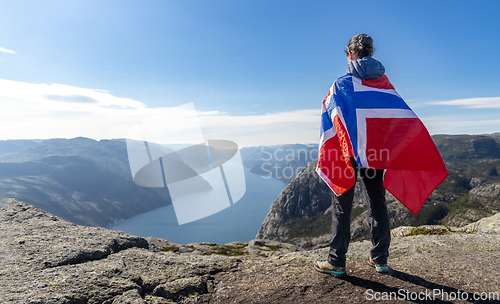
{"type": "Point", "coordinates": [306, 197]}
{"type": "Point", "coordinates": [489, 225]}
{"type": "Point", "coordinates": [128, 297]}
{"type": "Point", "coordinates": [262, 247]}
{"type": "Point", "coordinates": [44, 259]}
{"type": "Point", "coordinates": [491, 191]}
{"type": "Point", "coordinates": [182, 288]}
{"type": "Point", "coordinates": [481, 201]}
{"type": "Point", "coordinates": [476, 182]}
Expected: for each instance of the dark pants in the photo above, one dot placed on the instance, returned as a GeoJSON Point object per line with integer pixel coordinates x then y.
{"type": "Point", "coordinates": [378, 219]}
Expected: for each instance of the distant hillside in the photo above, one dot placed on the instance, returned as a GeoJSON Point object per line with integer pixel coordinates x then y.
{"type": "Point", "coordinates": [81, 180]}
{"type": "Point", "coordinates": [473, 162]}
{"type": "Point", "coordinates": [282, 162]}
{"type": "Point", "coordinates": [89, 182]}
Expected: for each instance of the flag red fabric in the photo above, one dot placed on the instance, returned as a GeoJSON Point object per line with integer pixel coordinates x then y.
{"type": "Point", "coordinates": [368, 121]}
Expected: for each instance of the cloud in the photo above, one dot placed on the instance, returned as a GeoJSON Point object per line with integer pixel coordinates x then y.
{"type": "Point", "coordinates": [473, 103]}
{"type": "Point", "coordinates": [461, 124]}
{"type": "Point", "coordinates": [40, 111]}
{"type": "Point", "coordinates": [76, 98]}
{"type": "Point", "coordinates": [4, 50]}
{"type": "Point", "coordinates": [300, 126]}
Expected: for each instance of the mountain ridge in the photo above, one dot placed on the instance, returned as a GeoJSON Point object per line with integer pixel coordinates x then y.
{"type": "Point", "coordinates": [80, 179]}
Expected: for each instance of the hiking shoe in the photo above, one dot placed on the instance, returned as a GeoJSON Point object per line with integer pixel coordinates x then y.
{"type": "Point", "coordinates": [381, 268]}
{"type": "Point", "coordinates": [325, 267]}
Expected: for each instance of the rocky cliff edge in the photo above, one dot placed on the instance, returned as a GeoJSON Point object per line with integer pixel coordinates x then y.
{"type": "Point", "coordinates": [44, 259]}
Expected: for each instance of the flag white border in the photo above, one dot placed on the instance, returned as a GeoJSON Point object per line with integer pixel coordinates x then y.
{"type": "Point", "coordinates": [363, 114]}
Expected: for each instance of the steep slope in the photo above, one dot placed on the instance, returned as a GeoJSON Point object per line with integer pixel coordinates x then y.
{"type": "Point", "coordinates": [81, 180]}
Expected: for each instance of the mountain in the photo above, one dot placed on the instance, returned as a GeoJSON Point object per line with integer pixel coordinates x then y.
{"type": "Point", "coordinates": [45, 259]}
{"type": "Point", "coordinates": [81, 180]}
{"type": "Point", "coordinates": [282, 162]}
{"type": "Point", "coordinates": [89, 182]}
{"type": "Point", "coordinates": [302, 213]}
{"type": "Point", "coordinates": [8, 146]}
{"type": "Point", "coordinates": [462, 154]}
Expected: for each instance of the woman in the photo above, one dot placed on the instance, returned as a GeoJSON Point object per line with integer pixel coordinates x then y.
{"type": "Point", "coordinates": [361, 65]}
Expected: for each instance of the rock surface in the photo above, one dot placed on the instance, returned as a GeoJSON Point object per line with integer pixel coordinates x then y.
{"type": "Point", "coordinates": [44, 259]}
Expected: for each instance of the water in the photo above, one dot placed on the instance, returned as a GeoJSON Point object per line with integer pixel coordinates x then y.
{"type": "Point", "coordinates": [240, 222]}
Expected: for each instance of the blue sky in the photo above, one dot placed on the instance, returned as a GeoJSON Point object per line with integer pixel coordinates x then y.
{"type": "Point", "coordinates": [256, 71]}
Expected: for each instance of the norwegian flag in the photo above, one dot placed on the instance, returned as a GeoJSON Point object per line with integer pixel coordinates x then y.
{"type": "Point", "coordinates": [369, 121]}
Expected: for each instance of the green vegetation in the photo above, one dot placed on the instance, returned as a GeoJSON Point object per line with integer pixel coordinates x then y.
{"type": "Point", "coordinates": [227, 250]}
{"type": "Point", "coordinates": [462, 205]}
{"type": "Point", "coordinates": [174, 249]}
{"type": "Point", "coordinates": [443, 212]}
{"type": "Point", "coordinates": [465, 203]}
{"type": "Point", "coordinates": [438, 230]}
{"type": "Point", "coordinates": [214, 249]}
{"type": "Point", "coordinates": [427, 231]}
{"type": "Point", "coordinates": [455, 183]}
{"type": "Point", "coordinates": [474, 229]}
{"type": "Point", "coordinates": [313, 226]}
{"type": "Point", "coordinates": [483, 168]}
{"type": "Point", "coordinates": [307, 245]}
{"type": "Point", "coordinates": [273, 248]}
{"type": "Point", "coordinates": [493, 171]}
{"type": "Point", "coordinates": [431, 214]}
{"type": "Point", "coordinates": [357, 212]}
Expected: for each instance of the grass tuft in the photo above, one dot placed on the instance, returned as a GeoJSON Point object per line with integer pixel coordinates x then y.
{"type": "Point", "coordinates": [439, 230]}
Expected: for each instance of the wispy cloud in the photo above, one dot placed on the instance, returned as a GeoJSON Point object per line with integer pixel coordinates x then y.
{"type": "Point", "coordinates": [4, 50]}
{"type": "Point", "coordinates": [300, 126]}
{"type": "Point", "coordinates": [473, 103]}
{"type": "Point", "coordinates": [34, 110]}
{"type": "Point", "coordinates": [40, 111]}
{"type": "Point", "coordinates": [461, 124]}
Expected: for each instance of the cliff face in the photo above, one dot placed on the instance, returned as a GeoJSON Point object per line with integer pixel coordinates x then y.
{"type": "Point", "coordinates": [305, 196]}
{"type": "Point", "coordinates": [302, 212]}
{"type": "Point", "coordinates": [44, 259]}
{"type": "Point", "coordinates": [84, 181]}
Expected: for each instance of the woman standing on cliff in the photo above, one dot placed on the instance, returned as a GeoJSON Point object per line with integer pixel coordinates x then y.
{"type": "Point", "coordinates": [362, 66]}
